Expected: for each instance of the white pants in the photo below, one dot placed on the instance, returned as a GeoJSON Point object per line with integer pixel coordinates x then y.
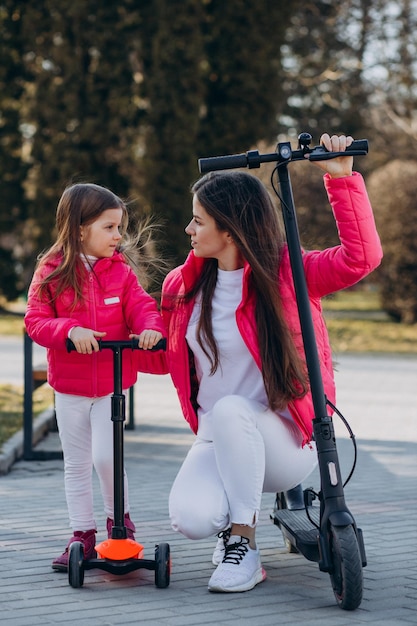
{"type": "Point", "coordinates": [86, 433]}
{"type": "Point", "coordinates": [221, 481]}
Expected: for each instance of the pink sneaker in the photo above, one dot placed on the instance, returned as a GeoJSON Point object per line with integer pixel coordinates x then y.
{"type": "Point", "coordinates": [130, 527]}
{"type": "Point", "coordinates": [87, 538]}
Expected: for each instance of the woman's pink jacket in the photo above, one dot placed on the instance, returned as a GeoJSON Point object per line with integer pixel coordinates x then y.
{"type": "Point", "coordinates": [115, 303]}
{"type": "Point", "coordinates": [326, 271]}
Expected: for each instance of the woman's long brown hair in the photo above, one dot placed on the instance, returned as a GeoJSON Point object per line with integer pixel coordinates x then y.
{"type": "Point", "coordinates": [240, 204]}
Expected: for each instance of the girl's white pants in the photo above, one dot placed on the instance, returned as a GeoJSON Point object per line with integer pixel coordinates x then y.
{"type": "Point", "coordinates": [251, 450]}
{"type": "Point", "coordinates": [86, 433]}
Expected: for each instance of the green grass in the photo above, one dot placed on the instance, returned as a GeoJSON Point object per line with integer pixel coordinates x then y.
{"type": "Point", "coordinates": [11, 324]}
{"type": "Point", "coordinates": [372, 335]}
{"type": "Point", "coordinates": [356, 323]}
{"type": "Point", "coordinates": [11, 396]}
{"type": "Point", "coordinates": [11, 408]}
{"type": "Point", "coordinates": [353, 300]}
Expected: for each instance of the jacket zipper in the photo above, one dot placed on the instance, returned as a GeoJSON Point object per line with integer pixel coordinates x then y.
{"type": "Point", "coordinates": [93, 317]}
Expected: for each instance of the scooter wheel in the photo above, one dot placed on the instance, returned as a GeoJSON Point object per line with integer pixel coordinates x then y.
{"type": "Point", "coordinates": [346, 575]}
{"type": "Point", "coordinates": [75, 564]}
{"type": "Point", "coordinates": [162, 565]}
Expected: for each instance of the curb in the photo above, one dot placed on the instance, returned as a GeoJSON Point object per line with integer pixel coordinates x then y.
{"type": "Point", "coordinates": [13, 448]}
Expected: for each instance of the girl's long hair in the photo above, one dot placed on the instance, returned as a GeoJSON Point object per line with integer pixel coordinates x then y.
{"type": "Point", "coordinates": [240, 204]}
{"type": "Point", "coordinates": [80, 205]}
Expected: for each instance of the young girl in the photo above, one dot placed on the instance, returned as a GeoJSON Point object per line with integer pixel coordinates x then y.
{"type": "Point", "coordinates": [236, 355]}
{"type": "Point", "coordinates": [84, 288]}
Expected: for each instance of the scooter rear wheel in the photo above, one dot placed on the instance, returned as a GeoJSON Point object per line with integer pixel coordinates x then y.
{"type": "Point", "coordinates": [346, 575]}
{"type": "Point", "coordinates": [162, 565]}
{"type": "Point", "coordinates": [75, 564]}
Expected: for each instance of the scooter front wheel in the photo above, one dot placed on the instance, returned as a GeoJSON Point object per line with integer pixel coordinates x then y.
{"type": "Point", "coordinates": [75, 564]}
{"type": "Point", "coordinates": [346, 574]}
{"type": "Point", "coordinates": [162, 565]}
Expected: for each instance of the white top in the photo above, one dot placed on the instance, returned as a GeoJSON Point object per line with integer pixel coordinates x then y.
{"type": "Point", "coordinates": [237, 372]}
{"type": "Point", "coordinates": [89, 261]}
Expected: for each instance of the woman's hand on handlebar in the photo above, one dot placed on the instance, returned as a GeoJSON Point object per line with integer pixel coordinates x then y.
{"type": "Point", "coordinates": [340, 166]}
{"type": "Point", "coordinates": [147, 339]}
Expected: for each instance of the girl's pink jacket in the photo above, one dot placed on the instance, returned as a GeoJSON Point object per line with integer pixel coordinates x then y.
{"type": "Point", "coordinates": [114, 303]}
{"type": "Point", "coordinates": [326, 271]}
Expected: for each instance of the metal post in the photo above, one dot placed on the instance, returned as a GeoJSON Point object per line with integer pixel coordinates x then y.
{"type": "Point", "coordinates": [27, 398]}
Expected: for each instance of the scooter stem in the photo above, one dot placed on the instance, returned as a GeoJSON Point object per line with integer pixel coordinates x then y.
{"type": "Point", "coordinates": [333, 506]}
{"type": "Point", "coordinates": [118, 417]}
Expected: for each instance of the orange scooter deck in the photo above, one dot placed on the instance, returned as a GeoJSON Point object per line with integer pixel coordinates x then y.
{"type": "Point", "coordinates": [120, 549]}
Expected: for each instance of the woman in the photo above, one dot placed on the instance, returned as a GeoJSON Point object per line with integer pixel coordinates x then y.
{"type": "Point", "coordinates": [236, 356]}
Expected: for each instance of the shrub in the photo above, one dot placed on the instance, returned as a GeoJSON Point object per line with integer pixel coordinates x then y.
{"type": "Point", "coordinates": [392, 190]}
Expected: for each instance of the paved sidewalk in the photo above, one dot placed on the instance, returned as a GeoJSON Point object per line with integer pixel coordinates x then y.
{"type": "Point", "coordinates": [379, 400]}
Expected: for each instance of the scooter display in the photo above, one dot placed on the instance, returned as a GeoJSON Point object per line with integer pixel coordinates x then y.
{"type": "Point", "coordinates": [119, 554]}
{"type": "Point", "coordinates": [326, 534]}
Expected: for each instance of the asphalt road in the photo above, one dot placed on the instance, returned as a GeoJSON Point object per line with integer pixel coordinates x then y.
{"type": "Point", "coordinates": [12, 359]}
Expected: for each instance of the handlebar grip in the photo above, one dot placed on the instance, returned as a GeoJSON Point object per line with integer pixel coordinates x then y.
{"type": "Point", "coordinates": [131, 344]}
{"type": "Point", "coordinates": [358, 144]}
{"type": "Point", "coordinates": [161, 345]}
{"type": "Point", "coordinates": [358, 147]}
{"type": "Point", "coordinates": [227, 162]}
{"type": "Point", "coordinates": [70, 345]}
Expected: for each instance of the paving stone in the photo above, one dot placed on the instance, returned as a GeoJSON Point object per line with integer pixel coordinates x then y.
{"type": "Point", "coordinates": [381, 495]}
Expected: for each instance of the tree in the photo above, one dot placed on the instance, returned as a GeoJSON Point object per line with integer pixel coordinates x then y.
{"type": "Point", "coordinates": [212, 86]}
{"type": "Point", "coordinates": [13, 168]}
{"type": "Point", "coordinates": [172, 49]}
{"type": "Point", "coordinates": [131, 94]}
{"type": "Point", "coordinates": [324, 52]}
{"type": "Point", "coordinates": [83, 109]}
{"type": "Point", "coordinates": [242, 73]}
{"type": "Point", "coordinates": [392, 192]}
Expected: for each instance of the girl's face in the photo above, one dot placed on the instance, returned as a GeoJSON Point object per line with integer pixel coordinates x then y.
{"type": "Point", "coordinates": [100, 238]}
{"type": "Point", "coordinates": [209, 242]}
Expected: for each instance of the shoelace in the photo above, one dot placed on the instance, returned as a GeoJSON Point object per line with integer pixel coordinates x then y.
{"type": "Point", "coordinates": [225, 534]}
{"type": "Point", "coordinates": [235, 552]}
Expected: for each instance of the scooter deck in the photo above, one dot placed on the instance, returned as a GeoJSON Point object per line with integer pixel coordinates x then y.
{"type": "Point", "coordinates": [299, 530]}
{"type": "Point", "coordinates": [120, 567]}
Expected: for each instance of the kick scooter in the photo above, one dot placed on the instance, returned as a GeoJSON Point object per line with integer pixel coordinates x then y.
{"type": "Point", "coordinates": [119, 554]}
{"type": "Point", "coordinates": [326, 534]}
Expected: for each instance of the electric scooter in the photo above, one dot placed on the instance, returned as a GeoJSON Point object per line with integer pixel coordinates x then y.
{"type": "Point", "coordinates": [327, 533]}
{"type": "Point", "coordinates": [119, 554]}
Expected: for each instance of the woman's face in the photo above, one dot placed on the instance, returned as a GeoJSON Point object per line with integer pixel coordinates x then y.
{"type": "Point", "coordinates": [208, 241]}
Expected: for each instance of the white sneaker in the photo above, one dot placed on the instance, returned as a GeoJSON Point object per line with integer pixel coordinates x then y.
{"type": "Point", "coordinates": [219, 550]}
{"type": "Point", "coordinates": [240, 570]}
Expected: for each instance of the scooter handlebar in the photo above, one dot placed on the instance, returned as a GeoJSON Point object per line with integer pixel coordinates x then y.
{"type": "Point", "coordinates": [131, 344]}
{"type": "Point", "coordinates": [252, 158]}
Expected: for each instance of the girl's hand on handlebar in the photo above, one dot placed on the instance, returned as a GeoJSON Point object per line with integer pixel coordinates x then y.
{"type": "Point", "coordinates": [84, 339]}
{"type": "Point", "coordinates": [147, 339]}
{"type": "Point", "coordinates": [340, 166]}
